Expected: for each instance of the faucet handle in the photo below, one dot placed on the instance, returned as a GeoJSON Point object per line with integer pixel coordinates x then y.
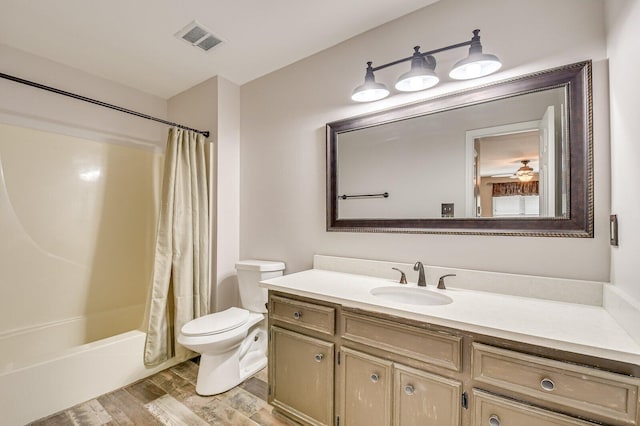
{"type": "Point", "coordinates": [403, 277]}
{"type": "Point", "coordinates": [441, 285]}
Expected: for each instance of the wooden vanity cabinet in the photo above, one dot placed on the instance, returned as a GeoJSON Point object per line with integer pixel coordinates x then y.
{"type": "Point", "coordinates": [330, 365]}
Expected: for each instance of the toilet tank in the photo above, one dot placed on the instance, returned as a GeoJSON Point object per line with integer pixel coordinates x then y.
{"type": "Point", "coordinates": [250, 273]}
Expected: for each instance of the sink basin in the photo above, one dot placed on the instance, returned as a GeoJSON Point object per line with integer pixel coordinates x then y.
{"type": "Point", "coordinates": [411, 295]}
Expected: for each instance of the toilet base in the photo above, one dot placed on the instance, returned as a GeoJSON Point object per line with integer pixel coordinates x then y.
{"type": "Point", "coordinates": [220, 372]}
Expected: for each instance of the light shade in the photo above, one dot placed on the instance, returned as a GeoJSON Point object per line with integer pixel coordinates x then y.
{"type": "Point", "coordinates": [422, 74]}
{"type": "Point", "coordinates": [524, 173]}
{"type": "Point", "coordinates": [370, 90]}
{"type": "Point", "coordinates": [477, 64]}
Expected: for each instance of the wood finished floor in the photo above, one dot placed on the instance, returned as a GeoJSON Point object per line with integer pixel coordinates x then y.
{"type": "Point", "coordinates": [169, 398]}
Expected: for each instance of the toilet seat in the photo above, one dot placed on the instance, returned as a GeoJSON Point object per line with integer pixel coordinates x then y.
{"type": "Point", "coordinates": [216, 323]}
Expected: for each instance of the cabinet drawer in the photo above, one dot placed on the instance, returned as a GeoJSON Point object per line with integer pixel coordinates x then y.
{"type": "Point", "coordinates": [441, 349]}
{"type": "Point", "coordinates": [308, 315]}
{"type": "Point", "coordinates": [597, 393]}
{"type": "Point", "coordinates": [491, 410]}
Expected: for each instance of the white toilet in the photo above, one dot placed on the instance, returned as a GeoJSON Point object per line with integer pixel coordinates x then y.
{"type": "Point", "coordinates": [233, 343]}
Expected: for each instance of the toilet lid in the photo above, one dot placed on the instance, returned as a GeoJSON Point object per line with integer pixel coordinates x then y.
{"type": "Point", "coordinates": [218, 322]}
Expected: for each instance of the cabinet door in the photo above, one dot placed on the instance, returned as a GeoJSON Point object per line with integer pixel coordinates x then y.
{"type": "Point", "coordinates": [301, 376]}
{"type": "Point", "coordinates": [366, 389]}
{"type": "Point", "coordinates": [425, 399]}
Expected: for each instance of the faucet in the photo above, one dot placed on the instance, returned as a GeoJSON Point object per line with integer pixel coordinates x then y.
{"type": "Point", "coordinates": [422, 282]}
{"type": "Point", "coordinates": [403, 277]}
{"type": "Point", "coordinates": [441, 285]}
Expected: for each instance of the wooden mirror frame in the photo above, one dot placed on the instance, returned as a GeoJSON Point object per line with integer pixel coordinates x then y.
{"type": "Point", "coordinates": [575, 78]}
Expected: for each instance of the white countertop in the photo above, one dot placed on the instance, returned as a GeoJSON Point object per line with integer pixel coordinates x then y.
{"type": "Point", "coordinates": [584, 329]}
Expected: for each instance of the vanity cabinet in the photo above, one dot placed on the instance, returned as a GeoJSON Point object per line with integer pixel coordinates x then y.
{"type": "Point", "coordinates": [330, 365]}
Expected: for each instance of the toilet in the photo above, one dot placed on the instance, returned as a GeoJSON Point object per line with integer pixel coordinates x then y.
{"type": "Point", "coordinates": [233, 343]}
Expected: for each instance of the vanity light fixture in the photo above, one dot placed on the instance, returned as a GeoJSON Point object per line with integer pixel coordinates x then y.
{"type": "Point", "coordinates": [422, 74]}
{"type": "Point", "coordinates": [524, 173]}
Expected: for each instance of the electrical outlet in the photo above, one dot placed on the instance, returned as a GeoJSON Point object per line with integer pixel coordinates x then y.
{"type": "Point", "coordinates": [446, 209]}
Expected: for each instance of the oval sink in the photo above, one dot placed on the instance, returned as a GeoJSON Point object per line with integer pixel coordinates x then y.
{"type": "Point", "coordinates": [411, 295]}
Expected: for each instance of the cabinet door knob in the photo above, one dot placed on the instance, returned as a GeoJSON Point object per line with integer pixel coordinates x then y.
{"type": "Point", "coordinates": [547, 384]}
{"type": "Point", "coordinates": [297, 314]}
{"type": "Point", "coordinates": [494, 420]}
{"type": "Point", "coordinates": [318, 357]}
{"type": "Point", "coordinates": [375, 377]}
{"type": "Point", "coordinates": [409, 390]}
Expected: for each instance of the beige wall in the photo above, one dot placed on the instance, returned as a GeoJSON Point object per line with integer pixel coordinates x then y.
{"type": "Point", "coordinates": [214, 105]}
{"type": "Point", "coordinates": [622, 47]}
{"type": "Point", "coordinates": [283, 137]}
{"type": "Point", "coordinates": [34, 108]}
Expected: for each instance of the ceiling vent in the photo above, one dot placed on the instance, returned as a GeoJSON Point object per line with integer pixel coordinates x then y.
{"type": "Point", "coordinates": [197, 35]}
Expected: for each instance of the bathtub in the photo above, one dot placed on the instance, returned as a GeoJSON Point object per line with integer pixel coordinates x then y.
{"type": "Point", "coordinates": [54, 366]}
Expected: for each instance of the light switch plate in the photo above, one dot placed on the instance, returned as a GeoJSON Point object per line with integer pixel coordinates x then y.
{"type": "Point", "coordinates": [613, 230]}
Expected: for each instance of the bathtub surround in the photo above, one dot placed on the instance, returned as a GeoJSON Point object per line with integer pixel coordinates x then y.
{"type": "Point", "coordinates": [181, 262]}
{"type": "Point", "coordinates": [77, 219]}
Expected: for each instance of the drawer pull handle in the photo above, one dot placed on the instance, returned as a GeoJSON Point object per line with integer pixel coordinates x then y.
{"type": "Point", "coordinates": [318, 357]}
{"type": "Point", "coordinates": [297, 314]}
{"type": "Point", "coordinates": [494, 420]}
{"type": "Point", "coordinates": [409, 390]}
{"type": "Point", "coordinates": [375, 377]}
{"type": "Point", "coordinates": [547, 384]}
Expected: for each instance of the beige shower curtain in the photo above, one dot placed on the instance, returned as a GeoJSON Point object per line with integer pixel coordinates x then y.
{"type": "Point", "coordinates": [180, 288]}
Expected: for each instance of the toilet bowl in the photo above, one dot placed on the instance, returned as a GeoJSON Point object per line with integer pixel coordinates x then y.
{"type": "Point", "coordinates": [233, 343]}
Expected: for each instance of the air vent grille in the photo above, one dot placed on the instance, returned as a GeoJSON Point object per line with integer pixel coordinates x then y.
{"type": "Point", "coordinates": [209, 42]}
{"type": "Point", "coordinates": [199, 36]}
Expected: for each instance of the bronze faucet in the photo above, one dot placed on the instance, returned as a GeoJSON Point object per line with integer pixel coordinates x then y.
{"type": "Point", "coordinates": [441, 285]}
{"type": "Point", "coordinates": [403, 277]}
{"type": "Point", "coordinates": [422, 282]}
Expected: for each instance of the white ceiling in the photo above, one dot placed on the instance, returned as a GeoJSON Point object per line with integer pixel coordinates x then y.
{"type": "Point", "coordinates": [132, 41]}
{"type": "Point", "coordinates": [503, 155]}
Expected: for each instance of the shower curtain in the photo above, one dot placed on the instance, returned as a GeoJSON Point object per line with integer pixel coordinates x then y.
{"type": "Point", "coordinates": [180, 287]}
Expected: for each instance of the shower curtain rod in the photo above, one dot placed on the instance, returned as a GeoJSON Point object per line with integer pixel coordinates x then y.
{"type": "Point", "coordinates": [100, 103]}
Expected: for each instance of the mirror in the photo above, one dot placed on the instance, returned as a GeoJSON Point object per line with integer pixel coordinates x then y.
{"type": "Point", "coordinates": [509, 158]}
